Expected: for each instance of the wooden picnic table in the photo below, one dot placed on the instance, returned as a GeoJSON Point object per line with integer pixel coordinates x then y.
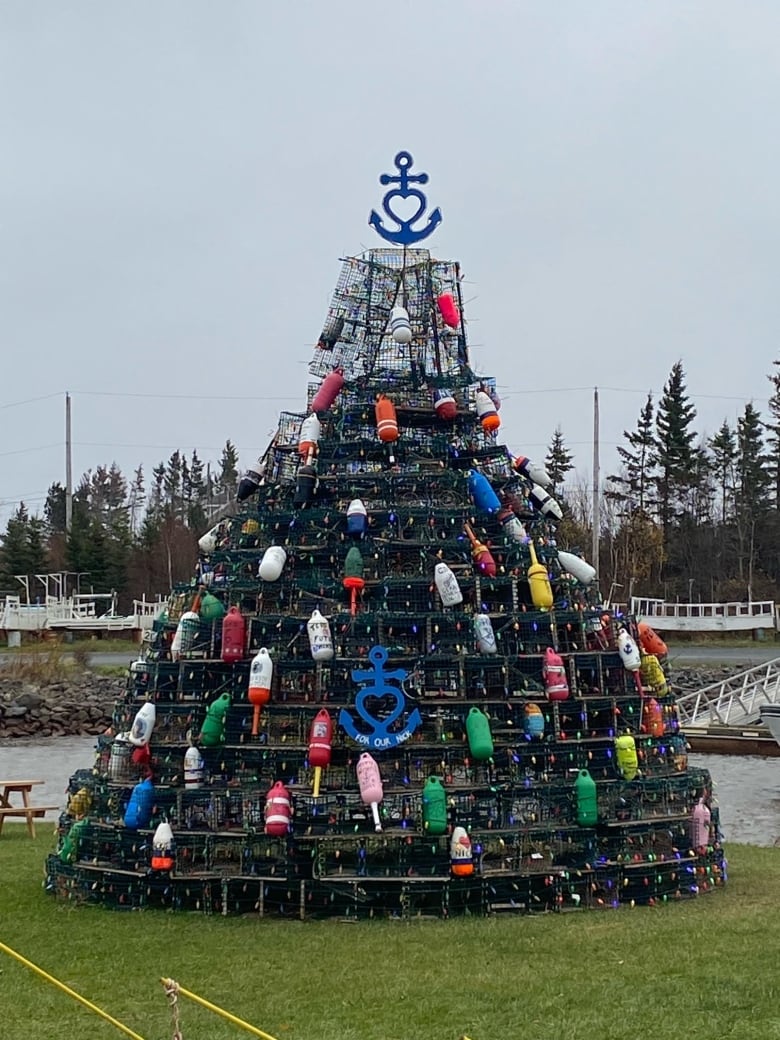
{"type": "Point", "coordinates": [10, 806]}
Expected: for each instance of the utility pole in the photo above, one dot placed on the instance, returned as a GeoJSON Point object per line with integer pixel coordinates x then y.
{"type": "Point", "coordinates": [68, 468]}
{"type": "Point", "coordinates": [596, 502]}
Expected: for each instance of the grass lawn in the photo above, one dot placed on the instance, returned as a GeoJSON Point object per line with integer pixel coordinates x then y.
{"type": "Point", "coordinates": [701, 970]}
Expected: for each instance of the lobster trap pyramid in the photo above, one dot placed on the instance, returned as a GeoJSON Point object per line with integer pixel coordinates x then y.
{"type": "Point", "coordinates": [387, 690]}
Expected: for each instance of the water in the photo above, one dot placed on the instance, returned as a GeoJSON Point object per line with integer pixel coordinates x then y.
{"type": "Point", "coordinates": [747, 788]}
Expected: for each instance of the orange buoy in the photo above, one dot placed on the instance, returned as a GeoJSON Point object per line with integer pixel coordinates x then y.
{"type": "Point", "coordinates": [386, 419]}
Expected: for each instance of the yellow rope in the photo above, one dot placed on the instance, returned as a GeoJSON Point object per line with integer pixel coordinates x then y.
{"type": "Point", "coordinates": [69, 991]}
{"type": "Point", "coordinates": [171, 986]}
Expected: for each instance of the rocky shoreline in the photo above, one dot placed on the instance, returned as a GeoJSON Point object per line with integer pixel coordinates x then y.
{"type": "Point", "coordinates": [79, 706]}
{"type": "Point", "coordinates": [83, 705]}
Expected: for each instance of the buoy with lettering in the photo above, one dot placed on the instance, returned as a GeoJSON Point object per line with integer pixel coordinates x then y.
{"type": "Point", "coordinates": [447, 585]}
{"type": "Point", "coordinates": [162, 847]}
{"type": "Point", "coordinates": [261, 673]}
{"type": "Point", "coordinates": [587, 799]}
{"type": "Point", "coordinates": [213, 730]}
{"type": "Point", "coordinates": [536, 473]}
{"type": "Point", "coordinates": [233, 636]}
{"type": "Point", "coordinates": [538, 582]}
{"type": "Point", "coordinates": [545, 503]}
{"type": "Point", "coordinates": [400, 326]}
{"type": "Point", "coordinates": [250, 481]}
{"type": "Point", "coordinates": [479, 736]}
{"type": "Point", "coordinates": [278, 811]}
{"type": "Point", "coordinates": [652, 718]}
{"type": "Point", "coordinates": [328, 391]}
{"type": "Point", "coordinates": [141, 805]}
{"type": "Point", "coordinates": [320, 746]}
{"type": "Point", "coordinates": [485, 636]}
{"type": "Point", "coordinates": [625, 754]}
{"type": "Point", "coordinates": [487, 413]}
{"type": "Point", "coordinates": [629, 652]}
{"type": "Point", "coordinates": [448, 309]}
{"type": "Point", "coordinates": [353, 579]}
{"type": "Point", "coordinates": [533, 721]}
{"type": "Point", "coordinates": [357, 518]}
{"type": "Point", "coordinates": [194, 768]}
{"type": "Point", "coordinates": [480, 554]}
{"type": "Point", "coordinates": [577, 567]}
{"type": "Point", "coordinates": [461, 857]}
{"type": "Point", "coordinates": [434, 806]}
{"type": "Point", "coordinates": [481, 490]}
{"type": "Point", "coordinates": [272, 563]}
{"type": "Point", "coordinates": [311, 429]}
{"type": "Point", "coordinates": [371, 790]}
{"type": "Point", "coordinates": [650, 641]}
{"type": "Point", "coordinates": [320, 639]}
{"type": "Point", "coordinates": [700, 825]}
{"type": "Point", "coordinates": [556, 685]}
{"type": "Point", "coordinates": [444, 405]}
{"type": "Point", "coordinates": [143, 724]}
{"type": "Point", "coordinates": [186, 635]}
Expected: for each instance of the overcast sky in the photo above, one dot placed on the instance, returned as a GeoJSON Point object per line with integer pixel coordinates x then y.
{"type": "Point", "coordinates": [179, 180]}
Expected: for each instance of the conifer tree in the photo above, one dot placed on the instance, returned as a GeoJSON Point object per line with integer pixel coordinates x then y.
{"type": "Point", "coordinates": [723, 448]}
{"type": "Point", "coordinates": [558, 460]}
{"type": "Point", "coordinates": [675, 456]}
{"type": "Point", "coordinates": [633, 485]}
{"type": "Point", "coordinates": [773, 440]}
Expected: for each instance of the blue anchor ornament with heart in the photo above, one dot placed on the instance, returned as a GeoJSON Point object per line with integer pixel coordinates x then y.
{"type": "Point", "coordinates": [405, 235]}
{"type": "Point", "coordinates": [377, 684]}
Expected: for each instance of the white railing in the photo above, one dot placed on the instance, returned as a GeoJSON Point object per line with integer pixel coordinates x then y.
{"type": "Point", "coordinates": [735, 701]}
{"type": "Point", "coordinates": [75, 613]}
{"type": "Point", "coordinates": [705, 617]}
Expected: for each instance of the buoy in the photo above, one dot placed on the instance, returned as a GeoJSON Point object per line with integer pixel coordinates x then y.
{"type": "Point", "coordinates": [261, 673]}
{"type": "Point", "coordinates": [577, 567]}
{"type": "Point", "coordinates": [533, 721]}
{"type": "Point", "coordinates": [629, 651]}
{"type": "Point", "coordinates": [479, 736]}
{"type": "Point", "coordinates": [480, 554]}
{"type": "Point", "coordinates": [305, 484]}
{"type": "Point", "coordinates": [357, 518]}
{"type": "Point", "coordinates": [250, 482]}
{"type": "Point", "coordinates": [444, 405]}
{"type": "Point", "coordinates": [481, 490]}
{"type": "Point", "coordinates": [447, 585]}
{"type": "Point", "coordinates": [353, 579]}
{"type": "Point", "coordinates": [652, 718]}
{"type": "Point", "coordinates": [143, 724]}
{"type": "Point", "coordinates": [485, 636]}
{"type": "Point", "coordinates": [448, 309]}
{"type": "Point", "coordinates": [434, 806]}
{"type": "Point", "coordinates": [538, 582]}
{"type": "Point", "coordinates": [272, 563]}
{"type": "Point", "coordinates": [320, 746]}
{"type": "Point", "coordinates": [700, 825]}
{"type": "Point", "coordinates": [233, 636]}
{"type": "Point", "coordinates": [141, 805]}
{"type": "Point", "coordinates": [587, 799]}
{"type": "Point", "coordinates": [486, 412]}
{"type": "Point", "coordinates": [556, 685]}
{"type": "Point", "coordinates": [461, 857]}
{"type": "Point", "coordinates": [213, 730]}
{"type": "Point", "coordinates": [371, 790]}
{"type": "Point", "coordinates": [328, 391]}
{"type": "Point", "coordinates": [532, 470]}
{"type": "Point", "coordinates": [162, 847]}
{"type": "Point", "coordinates": [320, 640]}
{"type": "Point", "coordinates": [650, 641]}
{"type": "Point", "coordinates": [653, 675]}
{"type": "Point", "coordinates": [311, 429]}
{"type": "Point", "coordinates": [207, 542]}
{"type": "Point", "coordinates": [186, 635]}
{"type": "Point", "coordinates": [386, 419]}
{"type": "Point", "coordinates": [194, 768]}
{"type": "Point", "coordinates": [400, 326]}
{"type": "Point", "coordinates": [625, 754]}
{"type": "Point", "coordinates": [278, 811]}
{"type": "Point", "coordinates": [545, 503]}
{"type": "Point", "coordinates": [211, 608]}
{"type": "Point", "coordinates": [511, 525]}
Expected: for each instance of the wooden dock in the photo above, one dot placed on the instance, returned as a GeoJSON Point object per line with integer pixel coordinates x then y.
{"type": "Point", "coordinates": [732, 740]}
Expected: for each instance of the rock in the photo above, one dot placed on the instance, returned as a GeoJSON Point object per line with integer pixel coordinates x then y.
{"type": "Point", "coordinates": [16, 711]}
{"type": "Point", "coordinates": [30, 698]}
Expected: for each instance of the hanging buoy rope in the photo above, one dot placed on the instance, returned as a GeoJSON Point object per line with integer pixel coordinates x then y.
{"type": "Point", "coordinates": [72, 993]}
{"type": "Point", "coordinates": [173, 989]}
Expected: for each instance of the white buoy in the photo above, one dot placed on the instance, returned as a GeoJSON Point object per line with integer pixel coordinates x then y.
{"type": "Point", "coordinates": [194, 768]}
{"type": "Point", "coordinates": [320, 639]}
{"type": "Point", "coordinates": [628, 651]}
{"type": "Point", "coordinates": [400, 326]}
{"type": "Point", "coordinates": [447, 585]}
{"type": "Point", "coordinates": [545, 503]}
{"type": "Point", "coordinates": [143, 724]}
{"type": "Point", "coordinates": [486, 637]}
{"type": "Point", "coordinates": [577, 567]}
{"type": "Point", "coordinates": [272, 563]}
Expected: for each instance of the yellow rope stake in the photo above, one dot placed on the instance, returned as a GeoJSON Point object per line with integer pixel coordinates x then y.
{"type": "Point", "coordinates": [69, 991]}
{"type": "Point", "coordinates": [171, 986]}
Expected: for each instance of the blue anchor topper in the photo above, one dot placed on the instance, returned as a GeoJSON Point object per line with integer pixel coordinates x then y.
{"type": "Point", "coordinates": [406, 234]}
{"type": "Point", "coordinates": [380, 739]}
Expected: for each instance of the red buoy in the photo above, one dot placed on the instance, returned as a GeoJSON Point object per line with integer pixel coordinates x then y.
{"type": "Point", "coordinates": [328, 391]}
{"type": "Point", "coordinates": [448, 309]}
{"type": "Point", "coordinates": [278, 811]}
{"type": "Point", "coordinates": [233, 635]}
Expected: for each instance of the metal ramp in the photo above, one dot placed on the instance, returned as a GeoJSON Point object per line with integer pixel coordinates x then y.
{"type": "Point", "coordinates": [735, 701]}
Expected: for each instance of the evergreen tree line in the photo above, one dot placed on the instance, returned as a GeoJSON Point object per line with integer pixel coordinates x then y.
{"type": "Point", "coordinates": [684, 516]}
{"type": "Point", "coordinates": [132, 538]}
